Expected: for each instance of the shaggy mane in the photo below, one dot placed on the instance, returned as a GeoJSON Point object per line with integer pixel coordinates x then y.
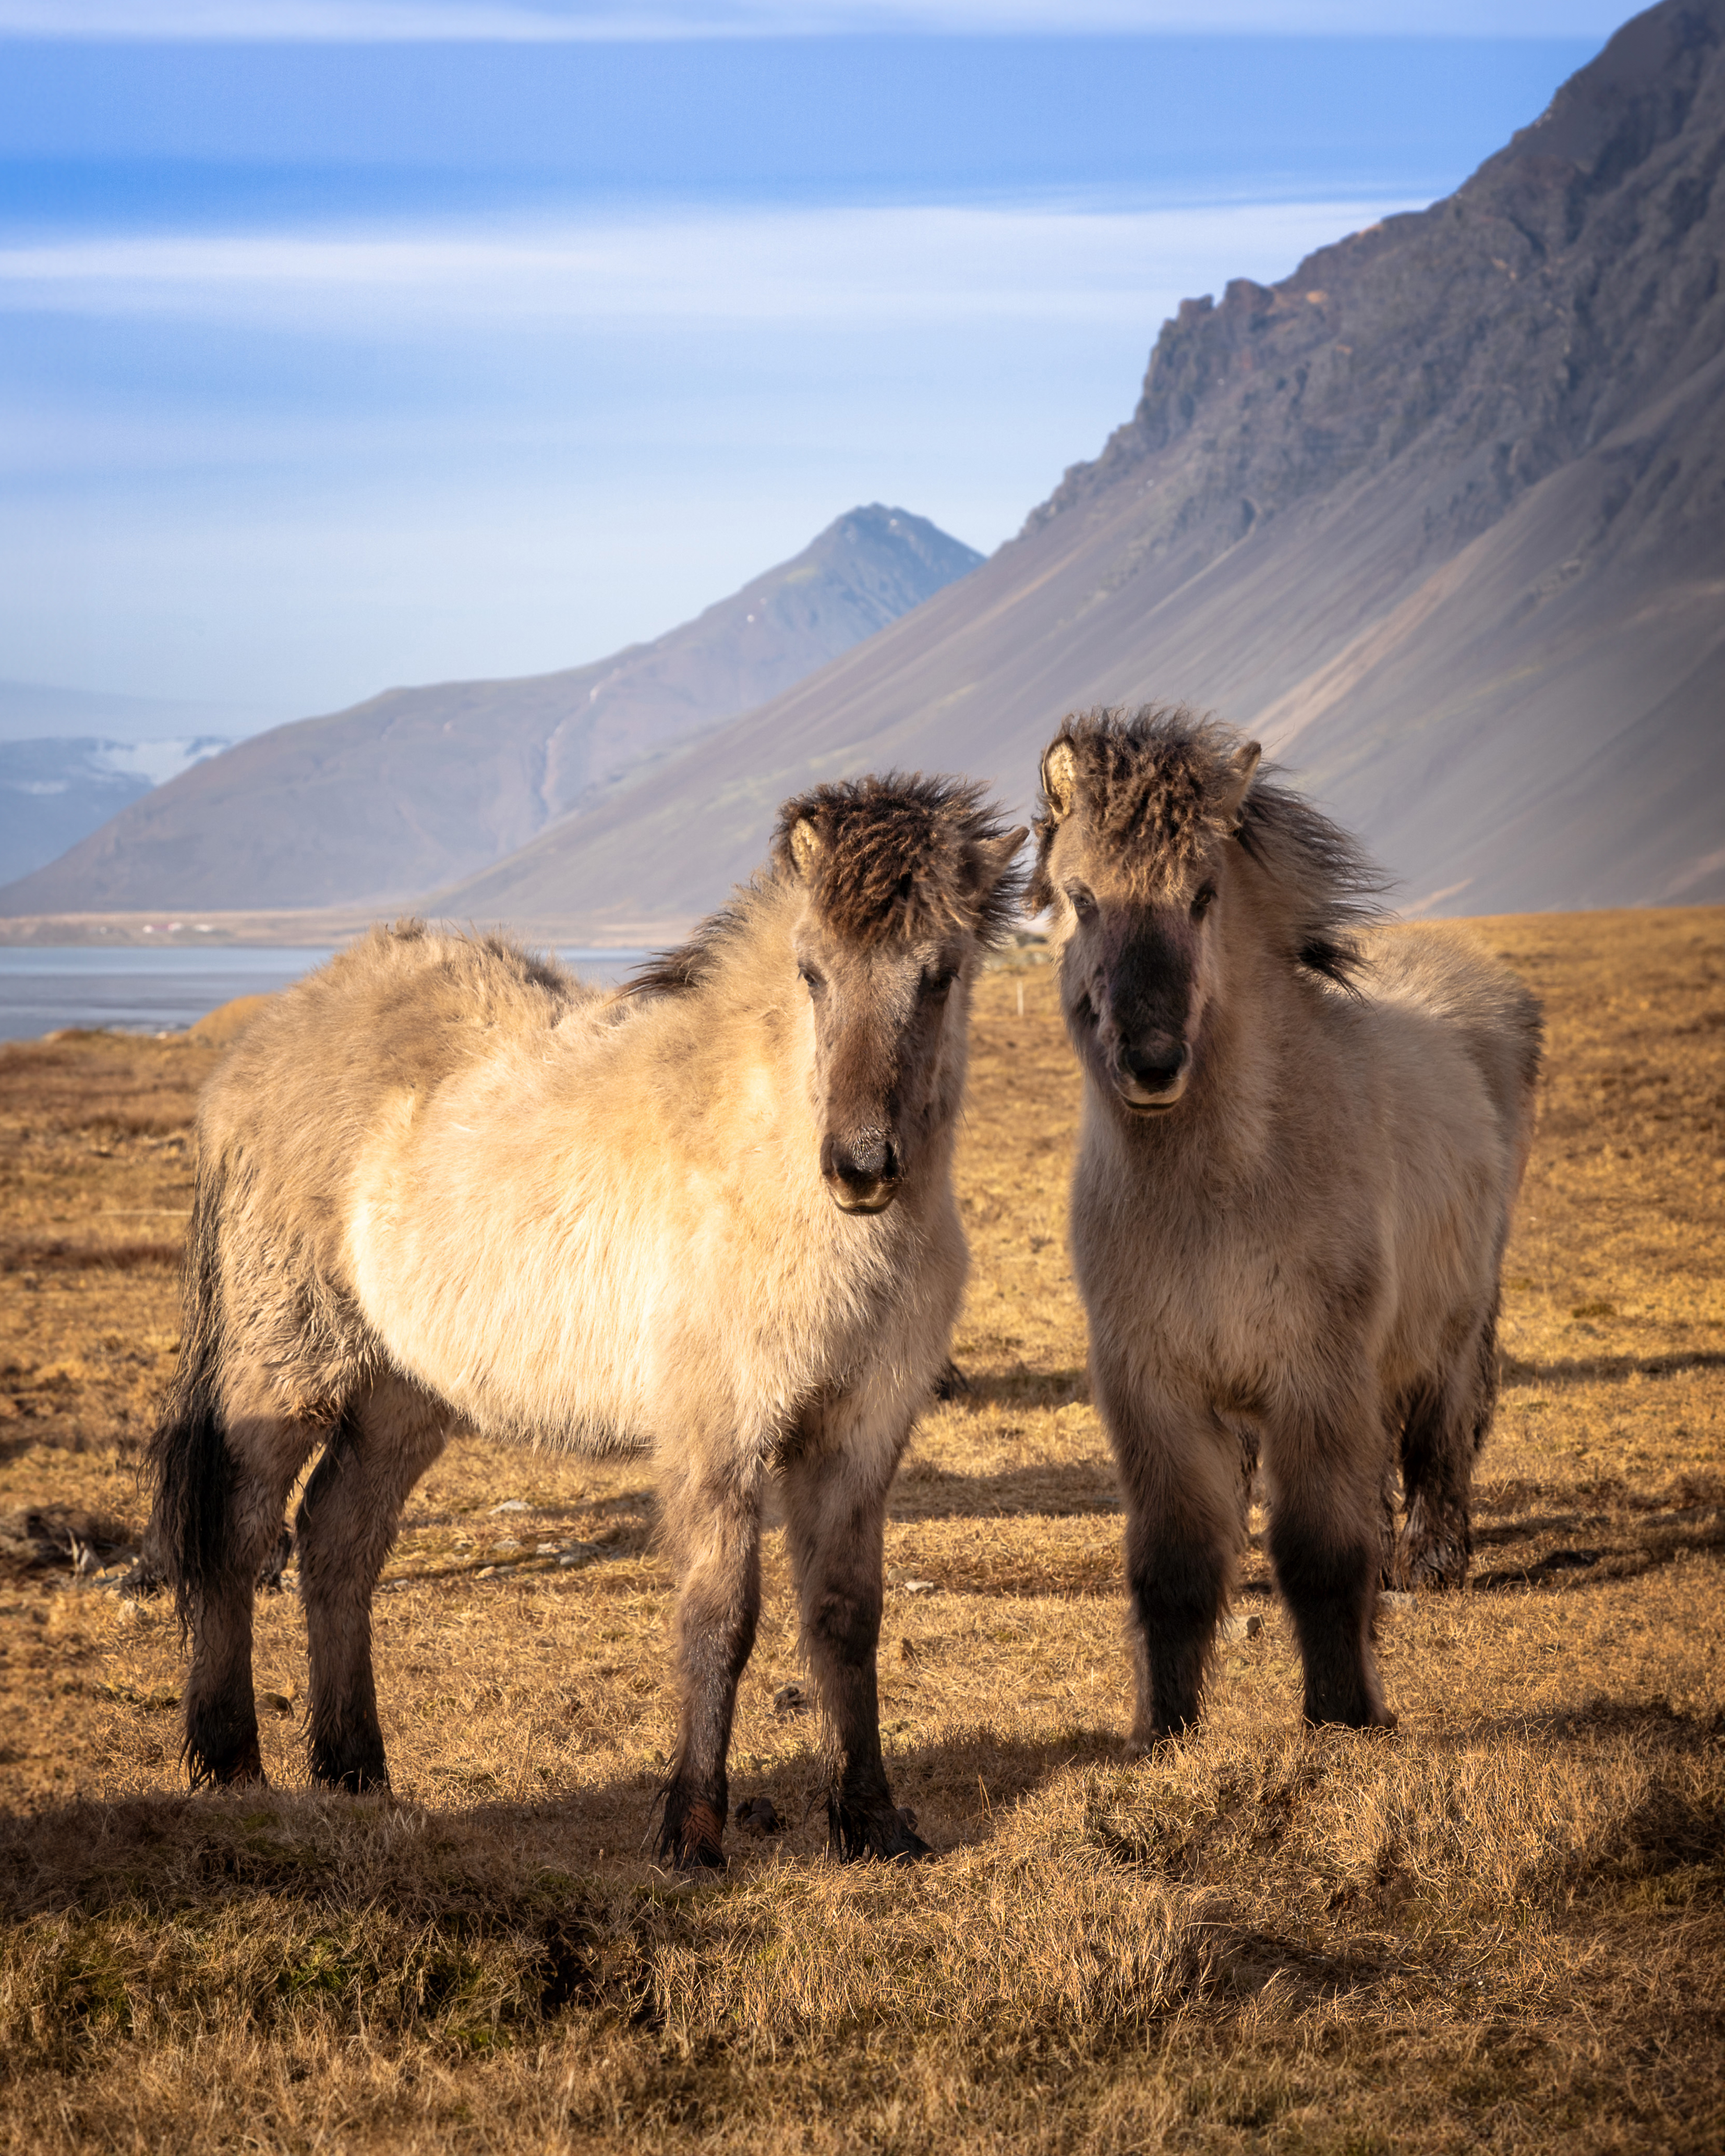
{"type": "Point", "coordinates": [680, 971]}
{"type": "Point", "coordinates": [901, 858]}
{"type": "Point", "coordinates": [1153, 787]}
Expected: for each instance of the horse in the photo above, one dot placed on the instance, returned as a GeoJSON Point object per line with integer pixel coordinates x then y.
{"type": "Point", "coordinates": [443, 1185]}
{"type": "Point", "coordinates": [1303, 1131]}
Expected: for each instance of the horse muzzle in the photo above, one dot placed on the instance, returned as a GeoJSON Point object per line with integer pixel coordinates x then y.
{"type": "Point", "coordinates": [862, 1174]}
{"type": "Point", "coordinates": [855, 1197]}
{"type": "Point", "coordinates": [1150, 1080]}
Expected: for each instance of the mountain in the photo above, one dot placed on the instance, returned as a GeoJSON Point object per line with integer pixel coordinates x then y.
{"type": "Point", "coordinates": [53, 791]}
{"type": "Point", "coordinates": [1440, 517]}
{"type": "Point", "coordinates": [416, 787]}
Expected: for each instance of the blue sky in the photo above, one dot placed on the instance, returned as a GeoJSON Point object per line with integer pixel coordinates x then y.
{"type": "Point", "coordinates": [348, 344]}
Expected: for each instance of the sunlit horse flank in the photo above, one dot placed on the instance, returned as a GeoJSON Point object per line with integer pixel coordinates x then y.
{"type": "Point", "coordinates": [441, 1184]}
{"type": "Point", "coordinates": [1302, 1136]}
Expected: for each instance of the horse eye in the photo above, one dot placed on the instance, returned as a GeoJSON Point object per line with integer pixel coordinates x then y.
{"type": "Point", "coordinates": [936, 985]}
{"type": "Point", "coordinates": [814, 981]}
{"type": "Point", "coordinates": [1201, 905]}
{"type": "Point", "coordinates": [1083, 900]}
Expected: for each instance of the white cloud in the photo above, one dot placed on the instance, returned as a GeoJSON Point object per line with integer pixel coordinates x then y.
{"type": "Point", "coordinates": [429, 454]}
{"type": "Point", "coordinates": [902, 266]}
{"type": "Point", "coordinates": [377, 21]}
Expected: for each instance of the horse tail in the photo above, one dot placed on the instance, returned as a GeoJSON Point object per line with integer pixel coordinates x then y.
{"type": "Point", "coordinates": [188, 1458]}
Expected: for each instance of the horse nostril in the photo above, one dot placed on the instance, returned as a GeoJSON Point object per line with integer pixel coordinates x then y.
{"type": "Point", "coordinates": [1157, 1065]}
{"type": "Point", "coordinates": [862, 1163]}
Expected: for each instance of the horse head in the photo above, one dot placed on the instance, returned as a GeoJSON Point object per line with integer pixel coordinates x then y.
{"type": "Point", "coordinates": [1134, 855]}
{"type": "Point", "coordinates": [904, 883]}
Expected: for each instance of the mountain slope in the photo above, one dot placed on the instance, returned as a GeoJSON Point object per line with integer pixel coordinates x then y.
{"type": "Point", "coordinates": [1441, 516]}
{"type": "Point", "coordinates": [370, 806]}
{"type": "Point", "coordinates": [54, 790]}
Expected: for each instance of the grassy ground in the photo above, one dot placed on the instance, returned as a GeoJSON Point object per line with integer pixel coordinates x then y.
{"type": "Point", "coordinates": [1500, 1928]}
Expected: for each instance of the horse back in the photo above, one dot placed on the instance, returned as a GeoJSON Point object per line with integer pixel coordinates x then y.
{"type": "Point", "coordinates": [1441, 973]}
{"type": "Point", "coordinates": [397, 1016]}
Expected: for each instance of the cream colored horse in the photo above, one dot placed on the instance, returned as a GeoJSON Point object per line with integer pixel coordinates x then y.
{"type": "Point", "coordinates": [443, 1185]}
{"type": "Point", "coordinates": [1301, 1145]}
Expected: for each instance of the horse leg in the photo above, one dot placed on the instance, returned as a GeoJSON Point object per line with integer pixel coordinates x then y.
{"type": "Point", "coordinates": [1325, 1540]}
{"type": "Point", "coordinates": [1436, 1536]}
{"type": "Point", "coordinates": [835, 1484]}
{"type": "Point", "coordinates": [713, 1518]}
{"type": "Point", "coordinates": [383, 1444]}
{"type": "Point", "coordinates": [1445, 1426]}
{"type": "Point", "coordinates": [259, 1457]}
{"type": "Point", "coordinates": [1185, 1484]}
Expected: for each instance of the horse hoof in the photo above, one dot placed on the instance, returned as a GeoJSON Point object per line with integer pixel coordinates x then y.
{"type": "Point", "coordinates": [365, 1777]}
{"type": "Point", "coordinates": [240, 1767]}
{"type": "Point", "coordinates": [243, 1777]}
{"type": "Point", "coordinates": [885, 1838]}
{"type": "Point", "coordinates": [1153, 1744]}
{"type": "Point", "coordinates": [693, 1840]}
{"type": "Point", "coordinates": [1376, 1723]}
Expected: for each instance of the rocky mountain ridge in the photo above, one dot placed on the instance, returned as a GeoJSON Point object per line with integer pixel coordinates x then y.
{"type": "Point", "coordinates": [1441, 516]}
{"type": "Point", "coordinates": [56, 788]}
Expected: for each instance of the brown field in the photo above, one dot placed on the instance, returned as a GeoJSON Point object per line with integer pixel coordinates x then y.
{"type": "Point", "coordinates": [1500, 1928]}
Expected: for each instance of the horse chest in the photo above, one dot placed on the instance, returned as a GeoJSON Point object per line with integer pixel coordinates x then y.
{"type": "Point", "coordinates": [1195, 1276]}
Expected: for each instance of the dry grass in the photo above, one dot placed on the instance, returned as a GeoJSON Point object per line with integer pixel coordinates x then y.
{"type": "Point", "coordinates": [1501, 1927]}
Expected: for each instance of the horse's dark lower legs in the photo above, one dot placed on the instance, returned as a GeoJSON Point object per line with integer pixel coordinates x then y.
{"type": "Point", "coordinates": [346, 1522]}
{"type": "Point", "coordinates": [221, 1740]}
{"type": "Point", "coordinates": [1325, 1539]}
{"type": "Point", "coordinates": [260, 1457]}
{"type": "Point", "coordinates": [1184, 1482]}
{"type": "Point", "coordinates": [1445, 1425]}
{"type": "Point", "coordinates": [714, 1520]}
{"type": "Point", "coordinates": [1435, 1539]}
{"type": "Point", "coordinates": [835, 1505]}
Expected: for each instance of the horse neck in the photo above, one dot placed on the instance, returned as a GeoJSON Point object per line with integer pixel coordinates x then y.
{"type": "Point", "coordinates": [749, 1014]}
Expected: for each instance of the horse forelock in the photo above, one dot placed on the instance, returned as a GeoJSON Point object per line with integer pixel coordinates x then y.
{"type": "Point", "coordinates": [1155, 790]}
{"type": "Point", "coordinates": [900, 859]}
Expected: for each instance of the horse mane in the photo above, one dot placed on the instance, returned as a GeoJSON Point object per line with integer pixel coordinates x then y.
{"type": "Point", "coordinates": [900, 856]}
{"type": "Point", "coordinates": [687, 966]}
{"type": "Point", "coordinates": [1331, 887]}
{"type": "Point", "coordinates": [1157, 787]}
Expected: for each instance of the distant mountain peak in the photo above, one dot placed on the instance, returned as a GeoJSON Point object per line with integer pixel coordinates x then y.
{"type": "Point", "coordinates": [415, 787]}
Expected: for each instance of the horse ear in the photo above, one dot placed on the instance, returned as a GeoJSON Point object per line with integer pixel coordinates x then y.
{"type": "Point", "coordinates": [806, 847]}
{"type": "Point", "coordinates": [995, 856]}
{"type": "Point", "coordinates": [1059, 777]}
{"type": "Point", "coordinates": [1240, 768]}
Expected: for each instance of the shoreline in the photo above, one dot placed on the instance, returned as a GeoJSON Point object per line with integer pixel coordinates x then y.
{"type": "Point", "coordinates": [316, 929]}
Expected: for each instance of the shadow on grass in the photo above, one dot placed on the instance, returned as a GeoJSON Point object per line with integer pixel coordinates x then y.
{"type": "Point", "coordinates": [1017, 1387]}
{"type": "Point", "coordinates": [491, 1860]}
{"type": "Point", "coordinates": [1598, 1559]}
{"type": "Point", "coordinates": [170, 1850]}
{"type": "Point", "coordinates": [927, 1492]}
{"type": "Point", "coordinates": [1516, 1372]}
{"type": "Point", "coordinates": [56, 1255]}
